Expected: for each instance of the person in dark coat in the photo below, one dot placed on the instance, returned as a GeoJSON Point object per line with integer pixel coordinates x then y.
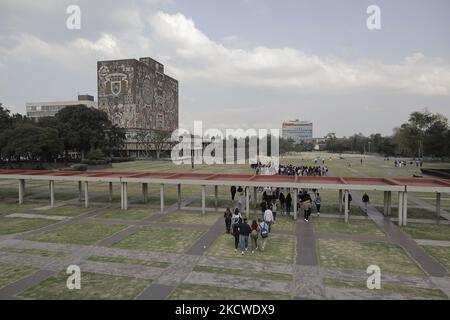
{"type": "Point", "coordinates": [282, 199]}
{"type": "Point", "coordinates": [233, 192]}
{"type": "Point", "coordinates": [227, 216]}
{"type": "Point", "coordinates": [288, 204]}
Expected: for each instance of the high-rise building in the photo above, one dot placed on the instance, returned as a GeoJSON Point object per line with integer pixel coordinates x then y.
{"type": "Point", "coordinates": [137, 95]}
{"type": "Point", "coordinates": [299, 131]}
{"type": "Point", "coordinates": [36, 110]}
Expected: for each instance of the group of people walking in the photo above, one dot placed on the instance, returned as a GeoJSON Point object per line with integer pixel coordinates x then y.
{"type": "Point", "coordinates": [290, 170]}
{"type": "Point", "coordinates": [239, 228]}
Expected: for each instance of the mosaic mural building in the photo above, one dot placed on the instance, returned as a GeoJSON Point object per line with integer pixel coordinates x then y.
{"type": "Point", "coordinates": [137, 95]}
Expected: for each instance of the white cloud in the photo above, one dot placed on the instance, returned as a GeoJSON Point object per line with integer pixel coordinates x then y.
{"type": "Point", "coordinates": [73, 55]}
{"type": "Point", "coordinates": [201, 57]}
{"type": "Point", "coordinates": [194, 56]}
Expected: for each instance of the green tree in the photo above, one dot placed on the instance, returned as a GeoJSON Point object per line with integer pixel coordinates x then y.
{"type": "Point", "coordinates": [31, 142]}
{"type": "Point", "coordinates": [84, 129]}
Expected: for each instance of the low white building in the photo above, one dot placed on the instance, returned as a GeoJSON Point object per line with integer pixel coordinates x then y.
{"type": "Point", "coordinates": [299, 131]}
{"type": "Point", "coordinates": [36, 110]}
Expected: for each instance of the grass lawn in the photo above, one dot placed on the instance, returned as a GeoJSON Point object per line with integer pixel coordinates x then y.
{"type": "Point", "coordinates": [79, 233]}
{"type": "Point", "coordinates": [354, 227]}
{"type": "Point", "coordinates": [67, 211]}
{"type": "Point", "coordinates": [17, 225]}
{"type": "Point", "coordinates": [246, 273]}
{"type": "Point", "coordinates": [130, 214]}
{"type": "Point", "coordinates": [93, 286]}
{"type": "Point", "coordinates": [334, 209]}
{"type": "Point", "coordinates": [283, 223]}
{"type": "Point", "coordinates": [146, 263]}
{"type": "Point", "coordinates": [358, 255]}
{"type": "Point", "coordinates": [210, 203]}
{"type": "Point", "coordinates": [203, 292]}
{"type": "Point", "coordinates": [414, 213]}
{"type": "Point", "coordinates": [35, 252]}
{"type": "Point", "coordinates": [441, 254]}
{"type": "Point", "coordinates": [160, 239]}
{"type": "Point", "coordinates": [104, 198]}
{"type": "Point", "coordinates": [58, 196]}
{"type": "Point", "coordinates": [10, 273]}
{"type": "Point", "coordinates": [17, 208]}
{"type": "Point", "coordinates": [428, 231]}
{"type": "Point", "coordinates": [191, 217]}
{"type": "Point", "coordinates": [387, 288]}
{"type": "Point", "coordinates": [280, 248]}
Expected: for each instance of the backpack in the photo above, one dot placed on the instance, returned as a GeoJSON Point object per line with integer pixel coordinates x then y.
{"type": "Point", "coordinates": [264, 231]}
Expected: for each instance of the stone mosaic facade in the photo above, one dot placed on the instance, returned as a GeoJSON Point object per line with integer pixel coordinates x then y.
{"type": "Point", "coordinates": [137, 95]}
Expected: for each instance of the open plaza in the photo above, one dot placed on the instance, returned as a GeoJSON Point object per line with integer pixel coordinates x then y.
{"type": "Point", "coordinates": [155, 230]}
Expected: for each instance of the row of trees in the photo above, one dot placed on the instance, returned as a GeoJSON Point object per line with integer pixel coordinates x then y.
{"type": "Point", "coordinates": [74, 129]}
{"type": "Point", "coordinates": [425, 134]}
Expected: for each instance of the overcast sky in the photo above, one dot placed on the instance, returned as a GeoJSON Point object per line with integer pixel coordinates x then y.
{"type": "Point", "coordinates": [241, 63]}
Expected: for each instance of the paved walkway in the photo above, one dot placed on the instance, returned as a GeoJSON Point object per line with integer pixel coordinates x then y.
{"type": "Point", "coordinates": [307, 275]}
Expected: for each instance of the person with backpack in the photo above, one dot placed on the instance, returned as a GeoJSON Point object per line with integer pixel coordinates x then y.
{"type": "Point", "coordinates": [254, 235]}
{"type": "Point", "coordinates": [268, 218]}
{"type": "Point", "coordinates": [244, 232]}
{"type": "Point", "coordinates": [235, 219]}
{"type": "Point", "coordinates": [318, 203]}
{"type": "Point", "coordinates": [366, 201]}
{"type": "Point", "coordinates": [227, 216]}
{"type": "Point", "coordinates": [264, 232]}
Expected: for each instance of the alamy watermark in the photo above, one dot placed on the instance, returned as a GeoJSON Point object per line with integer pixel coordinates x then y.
{"type": "Point", "coordinates": [73, 21]}
{"type": "Point", "coordinates": [374, 280]}
{"type": "Point", "coordinates": [74, 280]}
{"type": "Point", "coordinates": [229, 146]}
{"type": "Point", "coordinates": [374, 20]}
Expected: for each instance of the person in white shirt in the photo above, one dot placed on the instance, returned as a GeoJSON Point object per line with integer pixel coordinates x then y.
{"type": "Point", "coordinates": [268, 218]}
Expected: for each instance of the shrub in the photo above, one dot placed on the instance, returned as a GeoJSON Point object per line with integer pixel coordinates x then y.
{"type": "Point", "coordinates": [79, 167]}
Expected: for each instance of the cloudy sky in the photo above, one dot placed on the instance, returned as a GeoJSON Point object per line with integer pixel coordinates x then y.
{"type": "Point", "coordinates": [242, 63]}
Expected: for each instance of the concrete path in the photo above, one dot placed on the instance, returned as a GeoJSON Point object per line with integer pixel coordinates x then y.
{"type": "Point", "coordinates": [306, 244]}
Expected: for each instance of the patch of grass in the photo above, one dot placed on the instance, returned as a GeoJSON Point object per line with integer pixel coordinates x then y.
{"type": "Point", "coordinates": [79, 233]}
{"type": "Point", "coordinates": [146, 263]}
{"type": "Point", "coordinates": [189, 217]}
{"type": "Point", "coordinates": [354, 227]}
{"type": "Point", "coordinates": [36, 252]}
{"type": "Point", "coordinates": [414, 213]}
{"type": "Point", "coordinates": [358, 255]}
{"type": "Point", "coordinates": [105, 198]}
{"type": "Point", "coordinates": [245, 273]}
{"type": "Point", "coordinates": [187, 291]}
{"type": "Point", "coordinates": [58, 196]}
{"type": "Point", "coordinates": [10, 273]}
{"type": "Point", "coordinates": [334, 209]}
{"type": "Point", "coordinates": [160, 240]}
{"type": "Point", "coordinates": [130, 214]}
{"type": "Point", "coordinates": [441, 254]}
{"type": "Point", "coordinates": [18, 225]}
{"type": "Point", "coordinates": [8, 208]}
{"type": "Point", "coordinates": [283, 223]}
{"type": "Point", "coordinates": [210, 203]}
{"type": "Point", "coordinates": [428, 231]}
{"type": "Point", "coordinates": [93, 286]}
{"type": "Point", "coordinates": [66, 211]}
{"type": "Point", "coordinates": [387, 288]}
{"type": "Point", "coordinates": [280, 248]}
